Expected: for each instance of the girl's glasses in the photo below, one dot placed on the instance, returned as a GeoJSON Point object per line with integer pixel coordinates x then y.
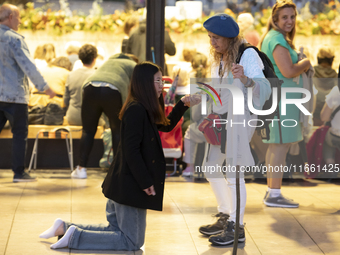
{"type": "Point", "coordinates": [160, 82]}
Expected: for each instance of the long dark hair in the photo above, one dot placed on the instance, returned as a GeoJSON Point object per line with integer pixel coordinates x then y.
{"type": "Point", "coordinates": [142, 90]}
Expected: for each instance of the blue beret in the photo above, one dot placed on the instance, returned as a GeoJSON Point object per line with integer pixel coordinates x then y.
{"type": "Point", "coordinates": [222, 25]}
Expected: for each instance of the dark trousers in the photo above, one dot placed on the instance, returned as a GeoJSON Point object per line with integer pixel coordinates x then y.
{"type": "Point", "coordinates": [98, 100]}
{"type": "Point", "coordinates": [17, 115]}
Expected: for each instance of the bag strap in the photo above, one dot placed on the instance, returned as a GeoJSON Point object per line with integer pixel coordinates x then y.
{"type": "Point", "coordinates": [334, 112]}
{"type": "Point", "coordinates": [224, 134]}
{"type": "Point", "coordinates": [242, 48]}
{"type": "Point", "coordinates": [108, 155]}
{"type": "Point", "coordinates": [339, 78]}
{"type": "Point", "coordinates": [207, 158]}
{"type": "Point", "coordinates": [328, 123]}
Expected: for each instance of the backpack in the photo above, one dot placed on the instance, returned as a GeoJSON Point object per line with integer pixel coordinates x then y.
{"type": "Point", "coordinates": [107, 157]}
{"type": "Point", "coordinates": [54, 114]}
{"type": "Point", "coordinates": [36, 115]}
{"type": "Point", "coordinates": [275, 82]}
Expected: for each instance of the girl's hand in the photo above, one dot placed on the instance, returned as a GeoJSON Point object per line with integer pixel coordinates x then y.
{"type": "Point", "coordinates": [238, 73]}
{"type": "Point", "coordinates": [150, 191]}
{"type": "Point", "coordinates": [191, 100]}
{"type": "Point", "coordinates": [186, 100]}
{"type": "Point", "coordinates": [195, 99]}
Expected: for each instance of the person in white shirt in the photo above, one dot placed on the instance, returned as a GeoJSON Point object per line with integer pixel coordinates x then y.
{"type": "Point", "coordinates": [332, 139]}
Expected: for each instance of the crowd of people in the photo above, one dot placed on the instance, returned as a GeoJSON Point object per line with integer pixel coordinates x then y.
{"type": "Point", "coordinates": [253, 6]}
{"type": "Point", "coordinates": [129, 91]}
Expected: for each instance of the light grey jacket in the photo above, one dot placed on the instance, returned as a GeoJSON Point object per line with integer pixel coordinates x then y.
{"type": "Point", "coordinates": [16, 64]}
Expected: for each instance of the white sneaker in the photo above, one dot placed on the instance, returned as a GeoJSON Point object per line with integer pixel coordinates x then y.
{"type": "Point", "coordinates": [79, 173]}
{"type": "Point", "coordinates": [187, 172]}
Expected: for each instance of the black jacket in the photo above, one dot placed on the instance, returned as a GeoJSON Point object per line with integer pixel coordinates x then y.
{"type": "Point", "coordinates": [140, 161]}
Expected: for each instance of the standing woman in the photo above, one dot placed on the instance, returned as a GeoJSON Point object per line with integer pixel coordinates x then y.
{"type": "Point", "coordinates": [247, 77]}
{"type": "Point", "coordinates": [278, 45]}
{"type": "Point", "coordinates": [135, 181]}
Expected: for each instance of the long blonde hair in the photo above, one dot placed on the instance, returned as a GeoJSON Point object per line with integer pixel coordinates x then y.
{"type": "Point", "coordinates": [231, 54]}
{"type": "Point", "coordinates": [281, 4]}
{"type": "Point", "coordinates": [49, 52]}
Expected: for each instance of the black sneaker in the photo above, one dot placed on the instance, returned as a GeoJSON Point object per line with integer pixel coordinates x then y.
{"type": "Point", "coordinates": [227, 236]}
{"type": "Point", "coordinates": [24, 177]}
{"type": "Point", "coordinates": [217, 227]}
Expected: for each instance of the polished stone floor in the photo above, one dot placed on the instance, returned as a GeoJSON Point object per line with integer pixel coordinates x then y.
{"type": "Point", "coordinates": [27, 209]}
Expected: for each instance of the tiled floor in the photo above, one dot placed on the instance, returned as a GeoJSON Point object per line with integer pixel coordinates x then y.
{"type": "Point", "coordinates": [27, 209]}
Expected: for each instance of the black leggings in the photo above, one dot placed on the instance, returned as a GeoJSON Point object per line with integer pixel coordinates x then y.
{"type": "Point", "coordinates": [97, 100]}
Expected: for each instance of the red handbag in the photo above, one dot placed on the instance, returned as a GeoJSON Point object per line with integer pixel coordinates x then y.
{"type": "Point", "coordinates": [212, 131]}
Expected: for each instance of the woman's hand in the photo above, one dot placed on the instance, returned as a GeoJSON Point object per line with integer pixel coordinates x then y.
{"type": "Point", "coordinates": [150, 191]}
{"type": "Point", "coordinates": [306, 62]}
{"type": "Point", "coordinates": [238, 73]}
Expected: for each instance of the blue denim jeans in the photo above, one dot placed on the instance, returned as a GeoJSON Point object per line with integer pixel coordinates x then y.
{"type": "Point", "coordinates": [17, 115]}
{"type": "Point", "coordinates": [125, 231]}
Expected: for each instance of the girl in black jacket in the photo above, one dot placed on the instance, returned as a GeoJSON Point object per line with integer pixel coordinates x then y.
{"type": "Point", "coordinates": [135, 181]}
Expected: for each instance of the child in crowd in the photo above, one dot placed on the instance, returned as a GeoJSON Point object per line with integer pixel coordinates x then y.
{"type": "Point", "coordinates": [324, 80]}
{"type": "Point", "coordinates": [183, 88]}
{"type": "Point", "coordinates": [199, 65]}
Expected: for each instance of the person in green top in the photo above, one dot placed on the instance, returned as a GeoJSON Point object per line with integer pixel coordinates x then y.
{"type": "Point", "coordinates": [105, 91]}
{"type": "Point", "coordinates": [278, 45]}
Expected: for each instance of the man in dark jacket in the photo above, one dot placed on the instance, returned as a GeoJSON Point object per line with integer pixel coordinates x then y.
{"type": "Point", "coordinates": [136, 44]}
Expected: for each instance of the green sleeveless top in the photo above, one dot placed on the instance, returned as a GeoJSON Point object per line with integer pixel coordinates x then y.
{"type": "Point", "coordinates": [289, 134]}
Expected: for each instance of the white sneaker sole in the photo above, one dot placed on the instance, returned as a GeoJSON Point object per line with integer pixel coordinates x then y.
{"type": "Point", "coordinates": [78, 177]}
{"type": "Point", "coordinates": [187, 175]}
{"type": "Point", "coordinates": [282, 206]}
{"type": "Point", "coordinates": [24, 180]}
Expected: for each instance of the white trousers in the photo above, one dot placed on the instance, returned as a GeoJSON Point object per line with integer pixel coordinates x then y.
{"type": "Point", "coordinates": [224, 184]}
